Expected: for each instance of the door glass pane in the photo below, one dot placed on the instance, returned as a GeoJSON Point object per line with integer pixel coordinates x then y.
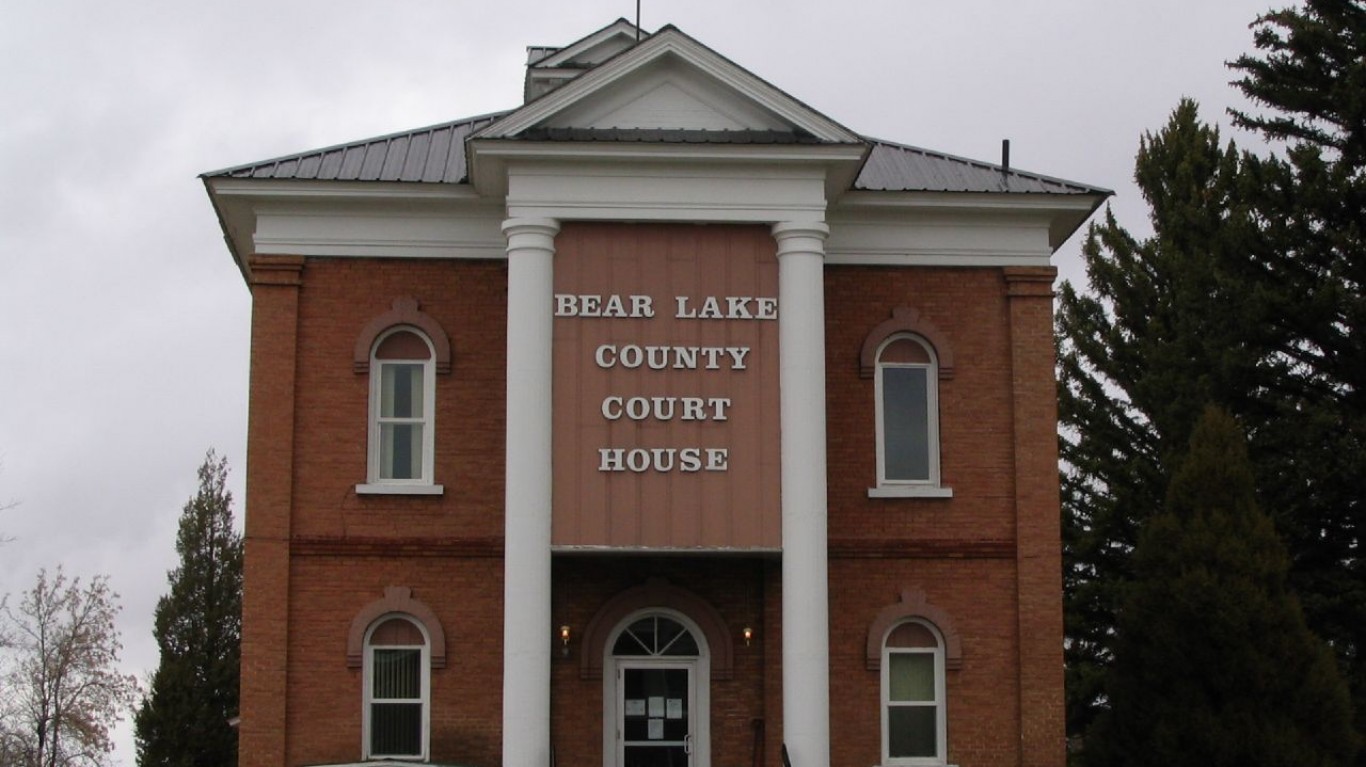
{"type": "Point", "coordinates": [905, 423]}
{"type": "Point", "coordinates": [655, 716]}
{"type": "Point", "coordinates": [911, 676]}
{"type": "Point", "coordinates": [911, 731]}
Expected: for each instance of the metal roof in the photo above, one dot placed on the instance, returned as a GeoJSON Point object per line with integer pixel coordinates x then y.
{"type": "Point", "coordinates": [431, 155]}
{"type": "Point", "coordinates": [436, 155]}
{"type": "Point", "coordinates": [899, 168]}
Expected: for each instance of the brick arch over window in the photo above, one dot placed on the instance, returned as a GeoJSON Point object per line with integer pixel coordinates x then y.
{"type": "Point", "coordinates": [404, 311]}
{"type": "Point", "coordinates": [656, 592]}
{"type": "Point", "coordinates": [905, 320]}
{"type": "Point", "coordinates": [397, 599]}
{"type": "Point", "coordinates": [913, 605]}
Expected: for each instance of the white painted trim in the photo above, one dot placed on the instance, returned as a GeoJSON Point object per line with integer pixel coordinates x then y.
{"type": "Point", "coordinates": [427, 420]}
{"type": "Point", "coordinates": [910, 491]}
{"type": "Point", "coordinates": [696, 191]}
{"type": "Point", "coordinates": [367, 667]}
{"type": "Point", "coordinates": [618, 28]}
{"type": "Point", "coordinates": [383, 489]}
{"type": "Point", "coordinates": [490, 159]}
{"type": "Point", "coordinates": [937, 258]}
{"type": "Point", "coordinates": [932, 445]}
{"type": "Point", "coordinates": [298, 190]}
{"type": "Point", "coordinates": [940, 702]}
{"type": "Point", "coordinates": [664, 43]}
{"type": "Point", "coordinates": [631, 550]}
{"type": "Point", "coordinates": [611, 751]}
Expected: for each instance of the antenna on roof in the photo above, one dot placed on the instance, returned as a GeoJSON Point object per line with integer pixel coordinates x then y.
{"type": "Point", "coordinates": [637, 20]}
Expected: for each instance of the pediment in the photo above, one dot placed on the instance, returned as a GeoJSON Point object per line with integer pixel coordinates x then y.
{"type": "Point", "coordinates": [668, 94]}
{"type": "Point", "coordinates": [668, 81]}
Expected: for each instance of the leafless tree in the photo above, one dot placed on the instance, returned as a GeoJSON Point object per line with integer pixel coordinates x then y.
{"type": "Point", "coordinates": [60, 689]}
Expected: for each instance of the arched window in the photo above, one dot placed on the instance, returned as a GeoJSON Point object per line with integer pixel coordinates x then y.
{"type": "Point", "coordinates": [906, 388]}
{"type": "Point", "coordinates": [397, 689]}
{"type": "Point", "coordinates": [913, 709]}
{"type": "Point", "coordinates": [402, 424]}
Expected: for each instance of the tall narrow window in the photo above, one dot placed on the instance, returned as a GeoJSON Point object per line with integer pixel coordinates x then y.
{"type": "Point", "coordinates": [402, 389]}
{"type": "Point", "coordinates": [396, 690]}
{"type": "Point", "coordinates": [907, 413]}
{"type": "Point", "coordinates": [913, 716]}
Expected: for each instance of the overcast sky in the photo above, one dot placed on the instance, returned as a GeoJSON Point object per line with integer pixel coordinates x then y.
{"type": "Point", "coordinates": [124, 322]}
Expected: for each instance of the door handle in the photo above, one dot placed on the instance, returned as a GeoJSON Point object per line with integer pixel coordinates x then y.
{"type": "Point", "coordinates": [687, 744]}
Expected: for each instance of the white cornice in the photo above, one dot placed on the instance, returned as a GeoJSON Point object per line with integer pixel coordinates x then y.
{"type": "Point", "coordinates": [275, 189]}
{"type": "Point", "coordinates": [838, 163]}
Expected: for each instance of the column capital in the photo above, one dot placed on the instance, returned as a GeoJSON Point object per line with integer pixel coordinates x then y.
{"type": "Point", "coordinates": [521, 228]}
{"type": "Point", "coordinates": [800, 236]}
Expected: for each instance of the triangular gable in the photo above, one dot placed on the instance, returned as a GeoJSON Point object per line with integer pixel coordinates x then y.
{"type": "Point", "coordinates": [593, 49]}
{"type": "Point", "coordinates": [550, 68]}
{"type": "Point", "coordinates": [669, 81]}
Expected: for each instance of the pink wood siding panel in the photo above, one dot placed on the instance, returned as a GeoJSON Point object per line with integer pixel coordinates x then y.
{"type": "Point", "coordinates": [737, 508]}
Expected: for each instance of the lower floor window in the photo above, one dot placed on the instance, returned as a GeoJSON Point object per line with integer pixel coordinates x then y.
{"type": "Point", "coordinates": [396, 691]}
{"type": "Point", "coordinates": [913, 696]}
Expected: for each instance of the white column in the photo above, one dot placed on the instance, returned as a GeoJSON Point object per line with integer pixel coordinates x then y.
{"type": "Point", "coordinates": [526, 564]}
{"type": "Point", "coordinates": [806, 610]}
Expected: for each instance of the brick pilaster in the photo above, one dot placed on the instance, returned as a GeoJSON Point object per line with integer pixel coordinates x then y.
{"type": "Point", "coordinates": [275, 283]}
{"type": "Point", "coordinates": [1037, 515]}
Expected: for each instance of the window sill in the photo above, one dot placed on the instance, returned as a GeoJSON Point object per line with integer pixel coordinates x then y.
{"type": "Point", "coordinates": [382, 489]}
{"type": "Point", "coordinates": [910, 491]}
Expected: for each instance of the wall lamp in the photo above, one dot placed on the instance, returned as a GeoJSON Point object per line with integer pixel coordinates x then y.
{"type": "Point", "coordinates": [748, 634]}
{"type": "Point", "coordinates": [564, 640]}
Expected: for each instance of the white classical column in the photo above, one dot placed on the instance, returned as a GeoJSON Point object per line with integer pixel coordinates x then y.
{"type": "Point", "coordinates": [806, 610]}
{"type": "Point", "coordinates": [526, 563]}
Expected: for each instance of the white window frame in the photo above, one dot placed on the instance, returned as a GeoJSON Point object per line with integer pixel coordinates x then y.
{"type": "Point", "coordinates": [940, 699]}
{"type": "Point", "coordinates": [425, 483]}
{"type": "Point", "coordinates": [907, 488]}
{"type": "Point", "coordinates": [425, 666]}
{"type": "Point", "coordinates": [613, 664]}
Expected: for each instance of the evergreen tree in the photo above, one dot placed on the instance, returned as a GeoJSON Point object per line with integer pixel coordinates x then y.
{"type": "Point", "coordinates": [1214, 665]}
{"type": "Point", "coordinates": [1163, 330]}
{"type": "Point", "coordinates": [1309, 76]}
{"type": "Point", "coordinates": [183, 721]}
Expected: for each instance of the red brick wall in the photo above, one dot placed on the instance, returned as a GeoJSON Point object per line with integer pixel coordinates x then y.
{"type": "Point", "coordinates": [466, 594]}
{"type": "Point", "coordinates": [318, 553]}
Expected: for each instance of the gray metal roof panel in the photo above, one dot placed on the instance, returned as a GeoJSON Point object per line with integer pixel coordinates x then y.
{"type": "Point", "coordinates": [899, 168]}
{"type": "Point", "coordinates": [435, 155]}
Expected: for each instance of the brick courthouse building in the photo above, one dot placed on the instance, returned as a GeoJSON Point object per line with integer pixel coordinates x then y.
{"type": "Point", "coordinates": [659, 421]}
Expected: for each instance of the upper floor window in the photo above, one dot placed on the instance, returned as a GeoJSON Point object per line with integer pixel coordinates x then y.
{"type": "Point", "coordinates": [907, 393]}
{"type": "Point", "coordinates": [397, 689]}
{"type": "Point", "coordinates": [913, 710]}
{"type": "Point", "coordinates": [402, 394]}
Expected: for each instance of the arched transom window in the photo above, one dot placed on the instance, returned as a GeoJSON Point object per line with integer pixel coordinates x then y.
{"type": "Point", "coordinates": [402, 389]}
{"type": "Point", "coordinates": [656, 636]}
{"type": "Point", "coordinates": [913, 710]}
{"type": "Point", "coordinates": [396, 689]}
{"type": "Point", "coordinates": [907, 391]}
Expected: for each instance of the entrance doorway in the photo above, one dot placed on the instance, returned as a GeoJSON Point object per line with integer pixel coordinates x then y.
{"type": "Point", "coordinates": [657, 714]}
